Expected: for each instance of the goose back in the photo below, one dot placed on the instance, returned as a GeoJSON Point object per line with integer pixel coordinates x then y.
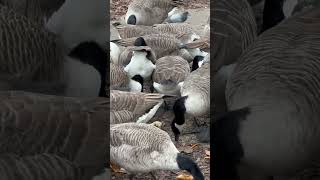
{"type": "Point", "coordinates": [28, 51]}
{"type": "Point", "coordinates": [136, 102]}
{"type": "Point", "coordinates": [278, 79]}
{"type": "Point", "coordinates": [234, 30]}
{"type": "Point", "coordinates": [72, 128]}
{"type": "Point", "coordinates": [171, 68]}
{"type": "Point", "coordinates": [42, 166]}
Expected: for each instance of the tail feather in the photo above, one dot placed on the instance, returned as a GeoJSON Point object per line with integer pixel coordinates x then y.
{"type": "Point", "coordinates": [201, 43]}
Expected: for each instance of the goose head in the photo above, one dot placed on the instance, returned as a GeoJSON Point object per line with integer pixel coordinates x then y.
{"type": "Point", "coordinates": [90, 53]}
{"type": "Point", "coordinates": [177, 123]}
{"type": "Point", "coordinates": [197, 62]}
{"type": "Point", "coordinates": [132, 20]}
{"type": "Point", "coordinates": [141, 63]}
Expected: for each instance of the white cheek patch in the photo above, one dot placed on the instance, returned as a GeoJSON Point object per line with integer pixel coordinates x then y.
{"type": "Point", "coordinates": [82, 79]}
{"type": "Point", "coordinates": [179, 127]}
{"type": "Point", "coordinates": [135, 86]}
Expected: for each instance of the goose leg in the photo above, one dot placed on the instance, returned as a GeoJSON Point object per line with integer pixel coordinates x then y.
{"type": "Point", "coordinates": [131, 176]}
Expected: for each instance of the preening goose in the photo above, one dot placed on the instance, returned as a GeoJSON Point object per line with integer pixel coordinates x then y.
{"type": "Point", "coordinates": [234, 30]}
{"type": "Point", "coordinates": [70, 128]}
{"type": "Point", "coordinates": [119, 80]}
{"type": "Point", "coordinates": [161, 44]}
{"type": "Point", "coordinates": [143, 106]}
{"type": "Point", "coordinates": [194, 100]}
{"type": "Point", "coordinates": [277, 104]}
{"type": "Point", "coordinates": [144, 148]}
{"type": "Point", "coordinates": [169, 74]}
{"type": "Point", "coordinates": [141, 62]}
{"type": "Point", "coordinates": [149, 12]}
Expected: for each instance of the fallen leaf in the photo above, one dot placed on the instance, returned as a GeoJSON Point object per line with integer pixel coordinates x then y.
{"type": "Point", "coordinates": [194, 145]}
{"type": "Point", "coordinates": [207, 152]}
{"type": "Point", "coordinates": [184, 177]}
{"type": "Point", "coordinates": [186, 149]}
{"type": "Point", "coordinates": [115, 168]}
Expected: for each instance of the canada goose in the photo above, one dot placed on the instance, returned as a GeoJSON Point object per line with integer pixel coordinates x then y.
{"type": "Point", "coordinates": [119, 80]}
{"type": "Point", "coordinates": [141, 63]}
{"type": "Point", "coordinates": [169, 74]}
{"type": "Point", "coordinates": [161, 44]}
{"type": "Point", "coordinates": [80, 20]}
{"type": "Point", "coordinates": [149, 12]}
{"type": "Point", "coordinates": [194, 100]}
{"type": "Point", "coordinates": [234, 30]}
{"type": "Point", "coordinates": [129, 31]}
{"type": "Point", "coordinates": [145, 148]}
{"type": "Point", "coordinates": [33, 59]}
{"type": "Point", "coordinates": [70, 128]}
{"type": "Point", "coordinates": [182, 31]}
{"type": "Point", "coordinates": [142, 105]}
{"type": "Point", "coordinates": [177, 15]}
{"type": "Point", "coordinates": [273, 106]}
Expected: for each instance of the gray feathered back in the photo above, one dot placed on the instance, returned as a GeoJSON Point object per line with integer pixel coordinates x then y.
{"type": "Point", "coordinates": [234, 29]}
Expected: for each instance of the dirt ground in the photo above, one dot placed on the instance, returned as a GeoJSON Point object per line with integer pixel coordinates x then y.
{"type": "Point", "coordinates": [188, 143]}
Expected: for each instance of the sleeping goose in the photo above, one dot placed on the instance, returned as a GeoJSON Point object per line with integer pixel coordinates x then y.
{"type": "Point", "coordinates": [145, 148]}
{"type": "Point", "coordinates": [33, 59]}
{"type": "Point", "coordinates": [169, 74]}
{"type": "Point", "coordinates": [141, 62]}
{"type": "Point", "coordinates": [194, 100]}
{"type": "Point", "coordinates": [70, 128]}
{"type": "Point", "coordinates": [119, 80]}
{"type": "Point", "coordinates": [149, 12]}
{"type": "Point", "coordinates": [272, 123]}
{"type": "Point", "coordinates": [143, 106]}
{"type": "Point", "coordinates": [161, 44]}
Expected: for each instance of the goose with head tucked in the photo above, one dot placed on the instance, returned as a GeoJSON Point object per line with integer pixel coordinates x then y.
{"type": "Point", "coordinates": [143, 106]}
{"type": "Point", "coordinates": [141, 62]}
{"type": "Point", "coordinates": [169, 74]}
{"type": "Point", "coordinates": [34, 59]}
{"type": "Point", "coordinates": [194, 100]}
{"type": "Point", "coordinates": [149, 12]}
{"type": "Point", "coordinates": [272, 97]}
{"type": "Point", "coordinates": [163, 44]}
{"type": "Point", "coordinates": [69, 128]}
{"type": "Point", "coordinates": [119, 80]}
{"type": "Point", "coordinates": [142, 148]}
